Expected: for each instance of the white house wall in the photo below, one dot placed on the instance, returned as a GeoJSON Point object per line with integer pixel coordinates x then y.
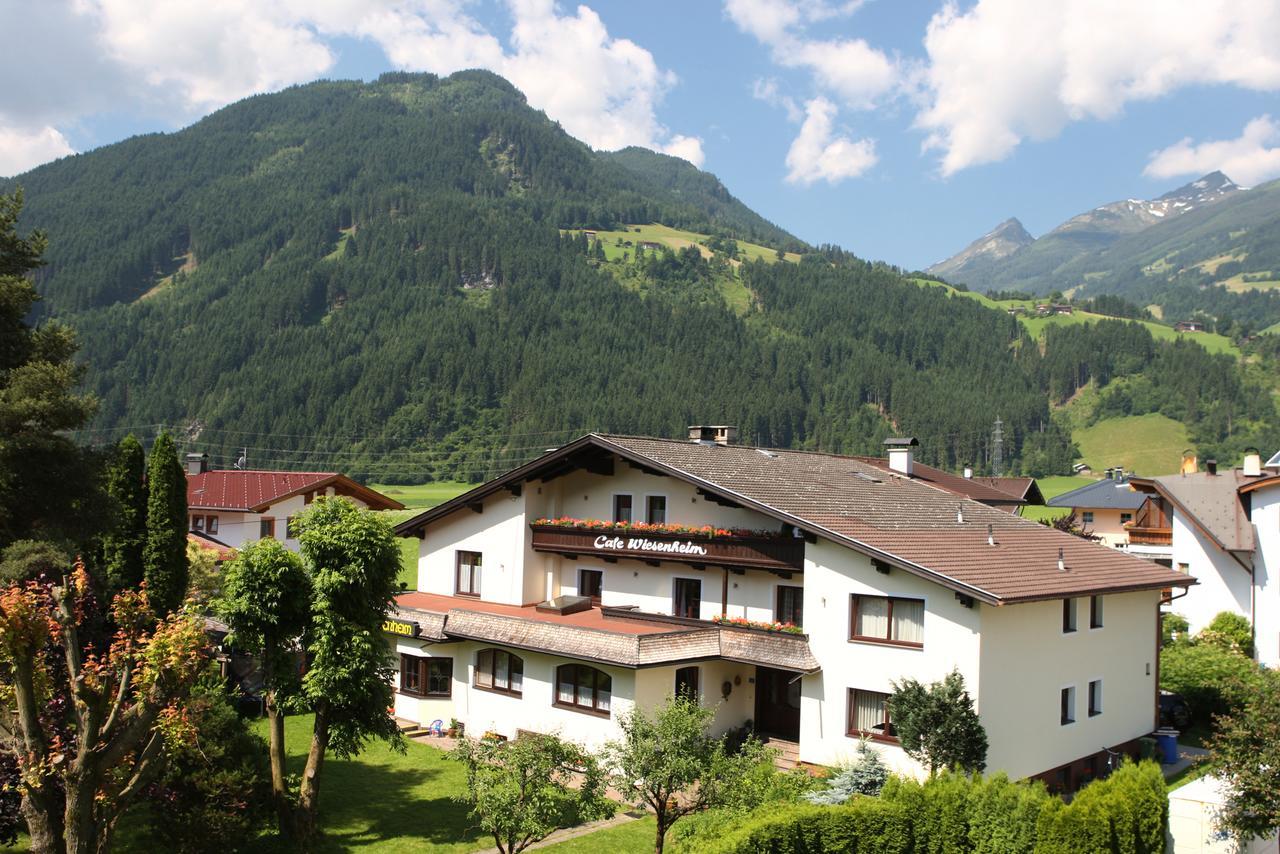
{"type": "Point", "coordinates": [1266, 571]}
{"type": "Point", "coordinates": [497, 533]}
{"type": "Point", "coordinates": [1225, 585]}
{"type": "Point", "coordinates": [1027, 660]}
{"type": "Point", "coordinates": [833, 574]}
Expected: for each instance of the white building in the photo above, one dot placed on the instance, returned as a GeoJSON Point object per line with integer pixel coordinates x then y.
{"type": "Point", "coordinates": [231, 508]}
{"type": "Point", "coordinates": [523, 624]}
{"type": "Point", "coordinates": [1223, 528]}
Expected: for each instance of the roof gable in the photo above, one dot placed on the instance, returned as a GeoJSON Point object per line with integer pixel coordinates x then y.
{"type": "Point", "coordinates": [901, 521]}
{"type": "Point", "coordinates": [255, 491]}
{"type": "Point", "coordinates": [1102, 494]}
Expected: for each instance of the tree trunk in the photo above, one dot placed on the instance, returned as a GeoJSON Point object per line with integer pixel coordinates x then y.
{"type": "Point", "coordinates": [309, 790]}
{"type": "Point", "coordinates": [279, 786]}
{"type": "Point", "coordinates": [81, 829]}
{"type": "Point", "coordinates": [661, 815]}
{"type": "Point", "coordinates": [42, 806]}
{"type": "Point", "coordinates": [44, 821]}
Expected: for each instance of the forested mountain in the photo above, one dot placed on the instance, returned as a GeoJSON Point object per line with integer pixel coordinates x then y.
{"type": "Point", "coordinates": [395, 279]}
{"type": "Point", "coordinates": [1209, 247]}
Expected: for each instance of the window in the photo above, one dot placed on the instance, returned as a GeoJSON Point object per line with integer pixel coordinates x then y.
{"type": "Point", "coordinates": [888, 620]}
{"type": "Point", "coordinates": [622, 508]}
{"type": "Point", "coordinates": [1095, 697]}
{"type": "Point", "coordinates": [687, 598]}
{"type": "Point", "coordinates": [468, 574]}
{"type": "Point", "coordinates": [211, 524]}
{"type": "Point", "coordinates": [583, 688]}
{"type": "Point", "coordinates": [869, 716]}
{"type": "Point", "coordinates": [1095, 612]}
{"type": "Point", "coordinates": [1068, 616]}
{"type": "Point", "coordinates": [1068, 705]}
{"type": "Point", "coordinates": [267, 528]}
{"type": "Point", "coordinates": [410, 674]}
{"type": "Point", "coordinates": [655, 509]}
{"type": "Point", "coordinates": [289, 530]}
{"type": "Point", "coordinates": [790, 608]}
{"type": "Point", "coordinates": [591, 583]}
{"type": "Point", "coordinates": [1126, 518]}
{"type": "Point", "coordinates": [197, 523]}
{"type": "Point", "coordinates": [687, 683]}
{"type": "Point", "coordinates": [500, 671]}
{"type": "Point", "coordinates": [426, 677]}
{"type": "Point", "coordinates": [1087, 517]}
{"type": "Point", "coordinates": [1184, 568]}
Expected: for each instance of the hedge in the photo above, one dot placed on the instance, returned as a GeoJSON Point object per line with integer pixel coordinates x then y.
{"type": "Point", "coordinates": [1127, 813]}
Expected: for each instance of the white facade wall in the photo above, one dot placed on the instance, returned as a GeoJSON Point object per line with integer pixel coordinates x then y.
{"type": "Point", "coordinates": [1225, 585]}
{"type": "Point", "coordinates": [236, 529]}
{"type": "Point", "coordinates": [1265, 516]}
{"type": "Point", "coordinates": [951, 640]}
{"type": "Point", "coordinates": [1026, 661]}
{"type": "Point", "coordinates": [498, 533]}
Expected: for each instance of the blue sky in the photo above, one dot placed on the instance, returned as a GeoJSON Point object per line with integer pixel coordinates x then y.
{"type": "Point", "coordinates": [898, 130]}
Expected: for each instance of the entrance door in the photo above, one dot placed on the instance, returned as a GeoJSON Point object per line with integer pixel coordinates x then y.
{"type": "Point", "coordinates": [778, 703]}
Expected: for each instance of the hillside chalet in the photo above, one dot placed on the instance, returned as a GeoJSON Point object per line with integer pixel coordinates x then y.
{"type": "Point", "coordinates": [228, 508]}
{"type": "Point", "coordinates": [787, 590]}
{"type": "Point", "coordinates": [1104, 508]}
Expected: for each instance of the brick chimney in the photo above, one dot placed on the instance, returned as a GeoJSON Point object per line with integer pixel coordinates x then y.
{"type": "Point", "coordinates": [902, 454]}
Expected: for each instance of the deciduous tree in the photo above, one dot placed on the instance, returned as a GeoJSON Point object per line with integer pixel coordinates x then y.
{"type": "Point", "coordinates": [937, 725]}
{"type": "Point", "coordinates": [520, 791]}
{"type": "Point", "coordinates": [1246, 752]}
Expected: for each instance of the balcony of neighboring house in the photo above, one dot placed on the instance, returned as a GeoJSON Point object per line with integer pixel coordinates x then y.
{"type": "Point", "coordinates": [1151, 531]}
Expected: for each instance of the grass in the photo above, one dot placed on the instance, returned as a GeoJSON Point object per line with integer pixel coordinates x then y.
{"type": "Point", "coordinates": [633, 837]}
{"type": "Point", "coordinates": [1148, 444]}
{"type": "Point", "coordinates": [1186, 775]}
{"type": "Point", "coordinates": [416, 498]}
{"type": "Point", "coordinates": [1052, 487]}
{"type": "Point", "coordinates": [1211, 341]}
{"type": "Point", "coordinates": [676, 239]}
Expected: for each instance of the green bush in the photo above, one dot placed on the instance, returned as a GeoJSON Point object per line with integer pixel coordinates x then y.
{"type": "Point", "coordinates": [1231, 632]}
{"type": "Point", "coordinates": [1208, 676]}
{"type": "Point", "coordinates": [1127, 813]}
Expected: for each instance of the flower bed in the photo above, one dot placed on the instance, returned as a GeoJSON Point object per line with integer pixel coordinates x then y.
{"type": "Point", "coordinates": [744, 623]}
{"type": "Point", "coordinates": [709, 531]}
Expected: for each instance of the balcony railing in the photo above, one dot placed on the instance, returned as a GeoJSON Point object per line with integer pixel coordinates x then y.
{"type": "Point", "coordinates": [1150, 536]}
{"type": "Point", "coordinates": [774, 553]}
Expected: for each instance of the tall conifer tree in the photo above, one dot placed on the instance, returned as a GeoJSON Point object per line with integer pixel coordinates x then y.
{"type": "Point", "coordinates": [126, 484]}
{"type": "Point", "coordinates": [165, 553]}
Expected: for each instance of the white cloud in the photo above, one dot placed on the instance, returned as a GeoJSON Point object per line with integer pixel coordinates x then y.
{"type": "Point", "coordinates": [1007, 70]}
{"type": "Point", "coordinates": [767, 90]}
{"type": "Point", "coordinates": [182, 58]}
{"type": "Point", "coordinates": [1250, 158]}
{"type": "Point", "coordinates": [22, 149]}
{"type": "Point", "coordinates": [817, 154]}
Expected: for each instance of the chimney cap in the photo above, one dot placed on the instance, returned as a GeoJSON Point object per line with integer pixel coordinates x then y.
{"type": "Point", "coordinates": [902, 442]}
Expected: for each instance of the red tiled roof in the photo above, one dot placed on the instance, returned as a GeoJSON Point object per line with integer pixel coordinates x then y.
{"type": "Point", "coordinates": [254, 491]}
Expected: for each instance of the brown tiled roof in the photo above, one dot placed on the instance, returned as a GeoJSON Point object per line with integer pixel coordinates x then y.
{"type": "Point", "coordinates": [1024, 488]}
{"type": "Point", "coordinates": [904, 522]}
{"type": "Point", "coordinates": [255, 491]}
{"type": "Point", "coordinates": [1212, 502]}
{"type": "Point", "coordinates": [912, 524]}
{"type": "Point", "coordinates": [593, 635]}
{"type": "Point", "coordinates": [976, 488]}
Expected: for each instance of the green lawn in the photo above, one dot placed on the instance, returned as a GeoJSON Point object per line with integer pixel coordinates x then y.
{"type": "Point", "coordinates": [675, 238]}
{"type": "Point", "coordinates": [1051, 487]}
{"type": "Point", "coordinates": [1148, 444]}
{"type": "Point", "coordinates": [633, 837]}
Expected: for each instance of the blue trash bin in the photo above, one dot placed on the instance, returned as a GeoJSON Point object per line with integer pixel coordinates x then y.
{"type": "Point", "coordinates": [1167, 741]}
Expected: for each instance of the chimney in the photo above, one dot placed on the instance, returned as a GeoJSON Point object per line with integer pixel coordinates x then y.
{"type": "Point", "coordinates": [968, 472]}
{"type": "Point", "coordinates": [1252, 463]}
{"type": "Point", "coordinates": [1211, 466]}
{"type": "Point", "coordinates": [197, 463]}
{"type": "Point", "coordinates": [902, 455]}
{"type": "Point", "coordinates": [1190, 465]}
{"type": "Point", "coordinates": [713, 434]}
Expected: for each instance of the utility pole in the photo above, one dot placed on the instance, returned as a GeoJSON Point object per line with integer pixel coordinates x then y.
{"type": "Point", "coordinates": [997, 449]}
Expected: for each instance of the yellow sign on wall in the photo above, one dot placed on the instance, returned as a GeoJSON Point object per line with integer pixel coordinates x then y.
{"type": "Point", "coordinates": [404, 628]}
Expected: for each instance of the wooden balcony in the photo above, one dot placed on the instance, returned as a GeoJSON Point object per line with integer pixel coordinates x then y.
{"type": "Point", "coordinates": [1150, 536]}
{"type": "Point", "coordinates": [781, 554]}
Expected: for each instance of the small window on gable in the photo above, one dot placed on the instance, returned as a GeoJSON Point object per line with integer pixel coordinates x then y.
{"type": "Point", "coordinates": [1125, 518]}
{"type": "Point", "coordinates": [197, 523]}
{"type": "Point", "coordinates": [211, 524]}
{"type": "Point", "coordinates": [622, 508]}
{"type": "Point", "coordinates": [467, 574]}
{"type": "Point", "coordinates": [1087, 517]}
{"type": "Point", "coordinates": [1068, 616]}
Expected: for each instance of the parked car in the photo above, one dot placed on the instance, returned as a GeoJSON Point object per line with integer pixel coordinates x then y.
{"type": "Point", "coordinates": [1174, 711]}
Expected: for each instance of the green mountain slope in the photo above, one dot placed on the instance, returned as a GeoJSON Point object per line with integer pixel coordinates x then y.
{"type": "Point", "coordinates": [394, 278]}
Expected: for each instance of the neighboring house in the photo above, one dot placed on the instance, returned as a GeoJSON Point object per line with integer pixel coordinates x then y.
{"type": "Point", "coordinates": [902, 459]}
{"type": "Point", "coordinates": [230, 508]}
{"type": "Point", "coordinates": [536, 609]}
{"type": "Point", "coordinates": [1025, 489]}
{"type": "Point", "coordinates": [224, 552]}
{"type": "Point", "coordinates": [1104, 507]}
{"type": "Point", "coordinates": [1188, 326]}
{"type": "Point", "coordinates": [1223, 528]}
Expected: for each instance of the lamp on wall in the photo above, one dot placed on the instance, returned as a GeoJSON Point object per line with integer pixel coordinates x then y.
{"type": "Point", "coordinates": [726, 689]}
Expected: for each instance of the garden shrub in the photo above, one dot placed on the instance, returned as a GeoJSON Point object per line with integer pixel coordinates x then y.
{"type": "Point", "coordinates": [1127, 813]}
{"type": "Point", "coordinates": [1230, 631]}
{"type": "Point", "coordinates": [866, 775]}
{"type": "Point", "coordinates": [1207, 676]}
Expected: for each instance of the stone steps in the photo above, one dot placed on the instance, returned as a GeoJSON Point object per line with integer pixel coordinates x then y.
{"type": "Point", "coordinates": [787, 753]}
